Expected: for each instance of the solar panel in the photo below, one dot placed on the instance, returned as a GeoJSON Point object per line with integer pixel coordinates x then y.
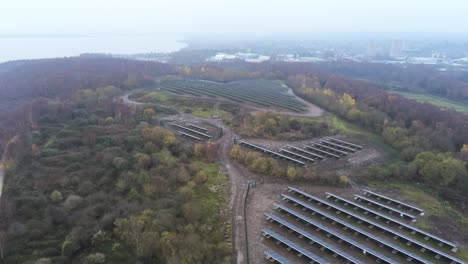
{"type": "Point", "coordinates": [306, 152]}
{"type": "Point", "coordinates": [330, 148]}
{"type": "Point", "coordinates": [294, 246]}
{"type": "Point", "coordinates": [271, 254]}
{"type": "Point", "coordinates": [331, 248]}
{"type": "Point", "coordinates": [335, 234]}
{"type": "Point", "coordinates": [390, 209]}
{"type": "Point", "coordinates": [197, 127]}
{"type": "Point", "coordinates": [296, 155]}
{"type": "Point", "coordinates": [374, 224]}
{"type": "Point", "coordinates": [190, 136]}
{"type": "Point", "coordinates": [321, 151]}
{"type": "Point", "coordinates": [315, 239]}
{"type": "Point", "coordinates": [358, 230]}
{"type": "Point", "coordinates": [193, 131]}
{"type": "Point", "coordinates": [399, 203]}
{"type": "Point", "coordinates": [345, 143]}
{"type": "Point", "coordinates": [338, 146]}
{"type": "Point", "coordinates": [410, 228]}
{"type": "Point", "coordinates": [272, 152]}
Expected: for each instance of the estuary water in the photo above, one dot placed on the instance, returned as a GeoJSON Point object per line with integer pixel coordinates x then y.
{"type": "Point", "coordinates": [38, 47]}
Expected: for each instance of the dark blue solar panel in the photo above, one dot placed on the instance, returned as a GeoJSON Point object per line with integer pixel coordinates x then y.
{"type": "Point", "coordinates": [276, 256]}
{"type": "Point", "coordinates": [316, 240]}
{"type": "Point", "coordinates": [294, 246]}
{"type": "Point", "coordinates": [352, 227]}
{"type": "Point", "coordinates": [334, 233]}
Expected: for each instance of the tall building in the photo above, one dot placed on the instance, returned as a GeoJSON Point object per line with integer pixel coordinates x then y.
{"type": "Point", "coordinates": [371, 50]}
{"type": "Point", "coordinates": [397, 47]}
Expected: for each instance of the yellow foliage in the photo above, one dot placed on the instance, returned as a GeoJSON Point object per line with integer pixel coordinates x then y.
{"type": "Point", "coordinates": [464, 148]}
{"type": "Point", "coordinates": [187, 71]}
{"type": "Point", "coordinates": [347, 101]}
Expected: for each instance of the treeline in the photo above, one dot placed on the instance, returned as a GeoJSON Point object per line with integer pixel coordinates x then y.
{"type": "Point", "coordinates": [97, 184]}
{"type": "Point", "coordinates": [409, 78]}
{"type": "Point", "coordinates": [408, 126]}
{"type": "Point", "coordinates": [59, 78]}
{"type": "Point", "coordinates": [435, 129]}
{"type": "Point", "coordinates": [21, 82]}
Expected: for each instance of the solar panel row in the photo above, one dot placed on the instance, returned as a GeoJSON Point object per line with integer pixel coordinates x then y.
{"type": "Point", "coordinates": [437, 253]}
{"type": "Point", "coordinates": [298, 156]}
{"type": "Point", "coordinates": [190, 136]}
{"type": "Point", "coordinates": [305, 152]}
{"type": "Point", "coordinates": [351, 242]}
{"type": "Point", "coordinates": [340, 147]}
{"type": "Point", "coordinates": [313, 239]}
{"type": "Point", "coordinates": [379, 240]}
{"type": "Point", "coordinates": [195, 132]}
{"type": "Point", "coordinates": [364, 209]}
{"type": "Point", "coordinates": [351, 145]}
{"type": "Point", "coordinates": [273, 255]}
{"type": "Point", "coordinates": [298, 249]}
{"type": "Point", "coordinates": [202, 129]}
{"type": "Point", "coordinates": [412, 229]}
{"type": "Point", "coordinates": [389, 200]}
{"type": "Point", "coordinates": [329, 149]}
{"type": "Point", "coordinates": [383, 206]}
{"type": "Point", "coordinates": [270, 152]}
{"type": "Point", "coordinates": [322, 152]}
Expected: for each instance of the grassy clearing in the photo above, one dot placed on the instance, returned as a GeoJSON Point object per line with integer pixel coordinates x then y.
{"type": "Point", "coordinates": [340, 126]}
{"type": "Point", "coordinates": [150, 97]}
{"type": "Point", "coordinates": [433, 206]}
{"type": "Point", "coordinates": [437, 101]}
{"type": "Point", "coordinates": [208, 113]}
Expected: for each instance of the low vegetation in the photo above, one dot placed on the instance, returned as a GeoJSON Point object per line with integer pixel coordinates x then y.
{"type": "Point", "coordinates": [97, 184]}
{"type": "Point", "coordinates": [269, 167]}
{"type": "Point", "coordinates": [437, 101]}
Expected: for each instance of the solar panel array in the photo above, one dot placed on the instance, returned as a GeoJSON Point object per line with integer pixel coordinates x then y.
{"type": "Point", "coordinates": [259, 92]}
{"type": "Point", "coordinates": [309, 153]}
{"type": "Point", "coordinates": [192, 131]}
{"type": "Point", "coordinates": [367, 233]}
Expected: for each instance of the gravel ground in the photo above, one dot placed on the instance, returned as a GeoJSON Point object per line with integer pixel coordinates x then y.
{"type": "Point", "coordinates": [260, 201]}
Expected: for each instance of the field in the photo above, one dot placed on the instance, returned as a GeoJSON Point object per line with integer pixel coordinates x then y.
{"type": "Point", "coordinates": [262, 93]}
{"type": "Point", "coordinates": [437, 101]}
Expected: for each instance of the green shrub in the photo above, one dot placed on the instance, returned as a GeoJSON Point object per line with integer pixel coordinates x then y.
{"type": "Point", "coordinates": [72, 202]}
{"type": "Point", "coordinates": [56, 196]}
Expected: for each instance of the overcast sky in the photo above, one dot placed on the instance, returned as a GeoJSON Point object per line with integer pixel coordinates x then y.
{"type": "Point", "coordinates": [239, 16]}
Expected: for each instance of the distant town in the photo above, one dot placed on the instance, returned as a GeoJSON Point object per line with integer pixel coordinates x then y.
{"type": "Point", "coordinates": [442, 54]}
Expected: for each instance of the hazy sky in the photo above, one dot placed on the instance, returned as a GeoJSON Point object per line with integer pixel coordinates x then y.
{"type": "Point", "coordinates": [208, 16]}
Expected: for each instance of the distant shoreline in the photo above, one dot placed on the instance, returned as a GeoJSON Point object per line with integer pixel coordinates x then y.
{"type": "Point", "coordinates": [23, 47]}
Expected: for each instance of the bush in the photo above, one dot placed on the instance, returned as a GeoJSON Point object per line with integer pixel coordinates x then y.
{"type": "Point", "coordinates": [72, 202]}
{"type": "Point", "coordinates": [343, 180]}
{"type": "Point", "coordinates": [109, 121]}
{"type": "Point", "coordinates": [73, 167]}
{"type": "Point", "coordinates": [96, 258]}
{"type": "Point", "coordinates": [120, 163]}
{"type": "Point", "coordinates": [71, 244]}
{"type": "Point", "coordinates": [43, 261]}
{"type": "Point", "coordinates": [56, 196]}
